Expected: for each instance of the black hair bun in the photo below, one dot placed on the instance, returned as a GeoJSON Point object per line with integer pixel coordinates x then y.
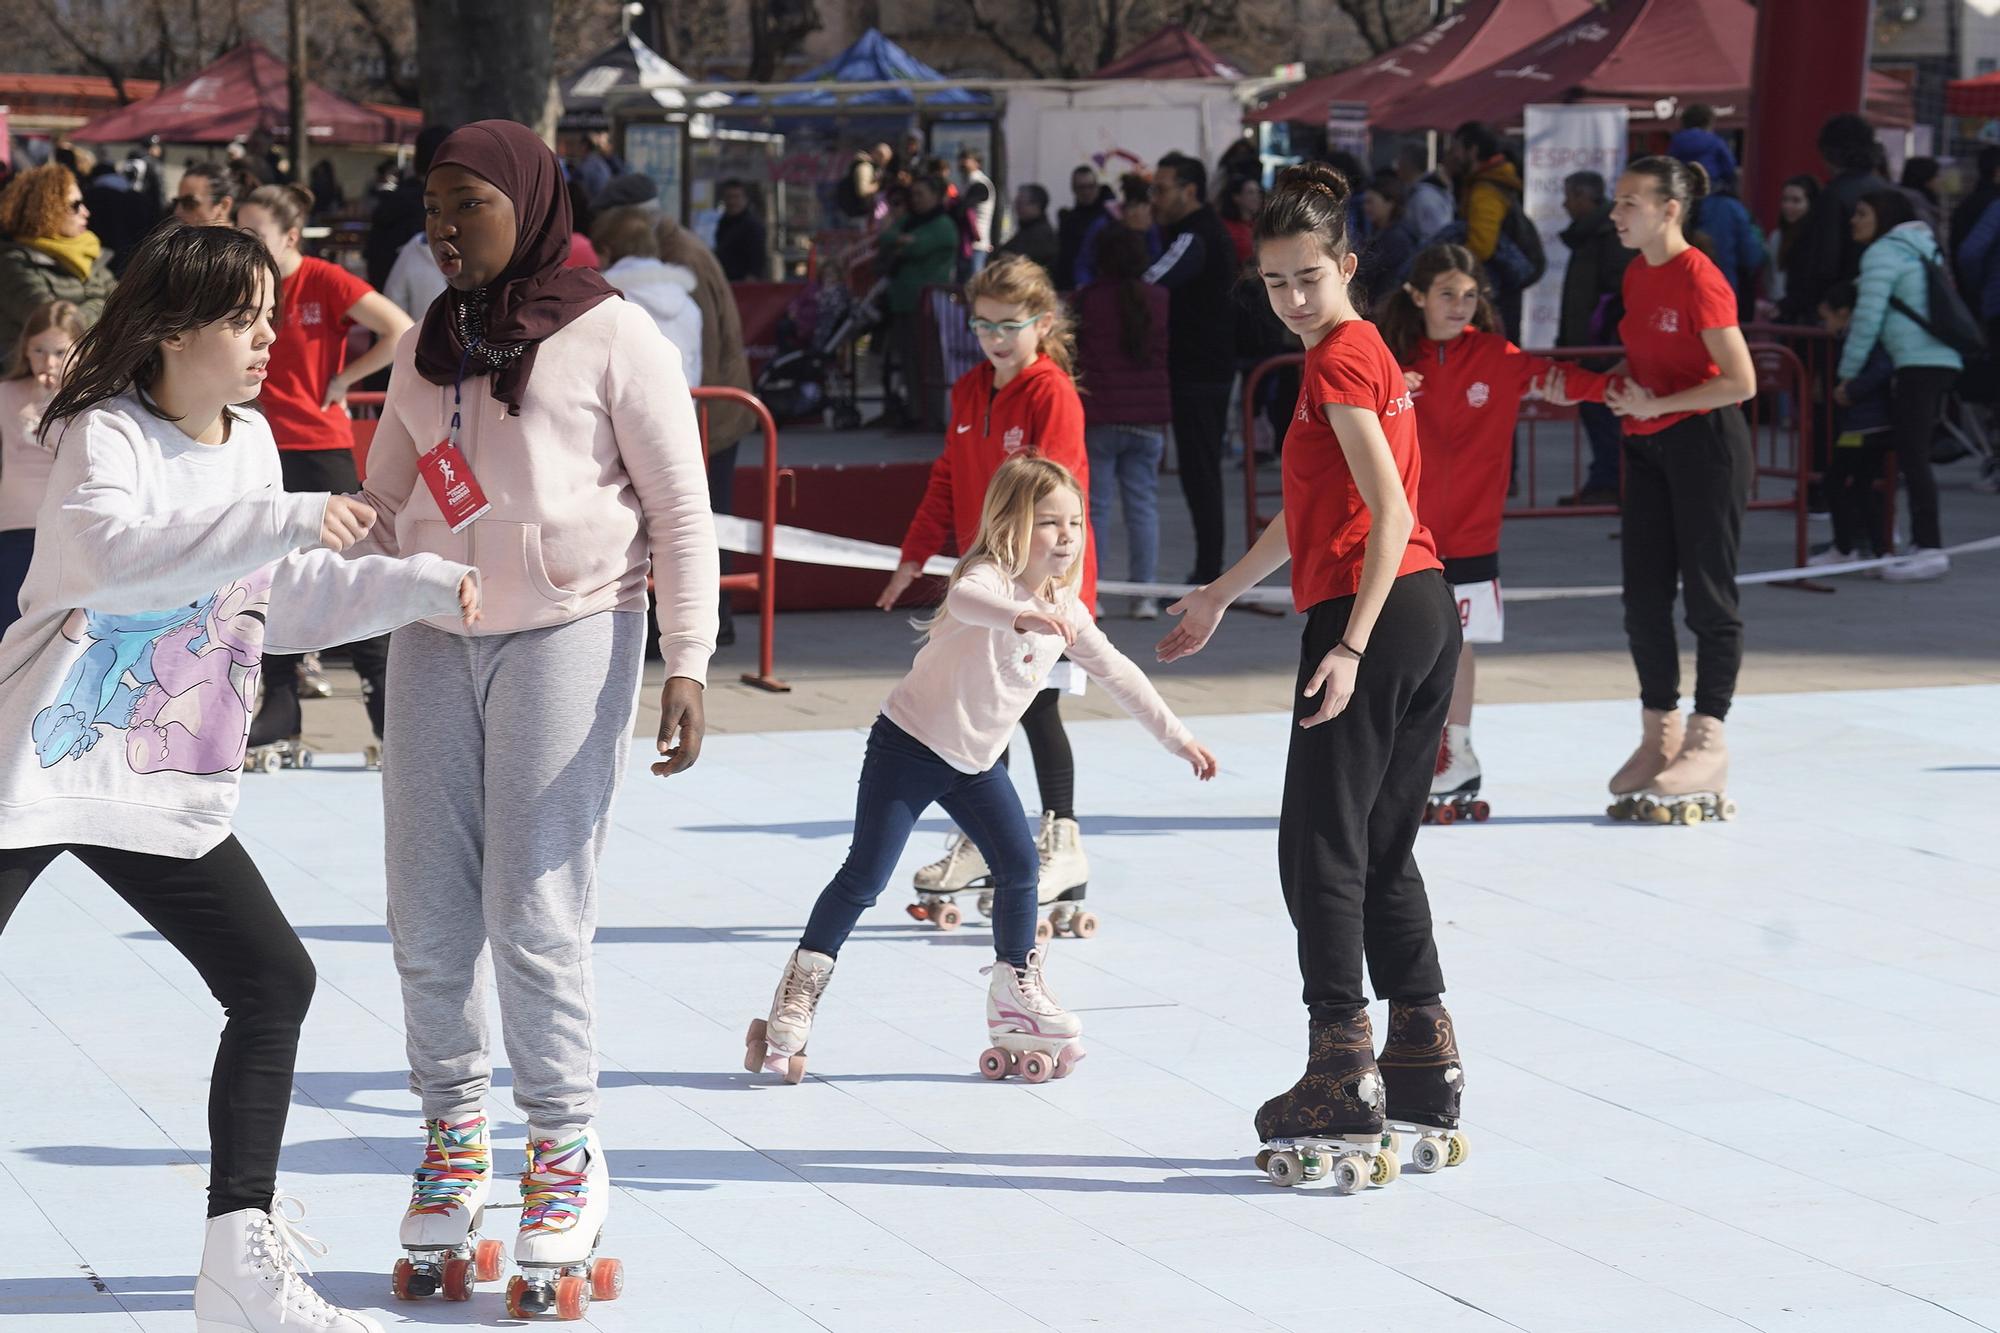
{"type": "Point", "coordinates": [1316, 177]}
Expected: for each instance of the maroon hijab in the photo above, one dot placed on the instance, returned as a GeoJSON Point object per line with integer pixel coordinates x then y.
{"type": "Point", "coordinates": [536, 294]}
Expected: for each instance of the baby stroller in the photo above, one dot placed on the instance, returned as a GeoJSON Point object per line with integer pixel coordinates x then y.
{"type": "Point", "coordinates": [805, 378]}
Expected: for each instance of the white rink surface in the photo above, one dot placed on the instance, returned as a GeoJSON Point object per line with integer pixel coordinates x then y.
{"type": "Point", "coordinates": [1733, 1077]}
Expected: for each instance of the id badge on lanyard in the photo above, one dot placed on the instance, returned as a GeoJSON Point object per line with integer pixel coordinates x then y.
{"type": "Point", "coordinates": [449, 476]}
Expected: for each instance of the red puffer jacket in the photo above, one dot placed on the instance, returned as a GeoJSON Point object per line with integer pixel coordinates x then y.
{"type": "Point", "coordinates": [1116, 390]}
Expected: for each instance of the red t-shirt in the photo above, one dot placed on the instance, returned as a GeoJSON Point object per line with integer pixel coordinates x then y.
{"type": "Point", "coordinates": [1466, 410]}
{"type": "Point", "coordinates": [310, 350]}
{"type": "Point", "coordinates": [1038, 413]}
{"type": "Point", "coordinates": [1326, 523]}
{"type": "Point", "coordinates": [1667, 306]}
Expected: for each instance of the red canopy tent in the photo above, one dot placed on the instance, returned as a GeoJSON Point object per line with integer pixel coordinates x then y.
{"type": "Point", "coordinates": [1171, 53]}
{"type": "Point", "coordinates": [1652, 55]}
{"type": "Point", "coordinates": [239, 93]}
{"type": "Point", "coordinates": [1453, 47]}
{"type": "Point", "coordinates": [1978, 97]}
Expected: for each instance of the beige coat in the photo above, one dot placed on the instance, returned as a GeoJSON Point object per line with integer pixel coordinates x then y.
{"type": "Point", "coordinates": [723, 361]}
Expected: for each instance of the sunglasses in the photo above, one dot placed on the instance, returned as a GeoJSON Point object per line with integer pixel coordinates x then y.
{"type": "Point", "coordinates": [190, 201]}
{"type": "Point", "coordinates": [986, 328]}
{"type": "Point", "coordinates": [76, 205]}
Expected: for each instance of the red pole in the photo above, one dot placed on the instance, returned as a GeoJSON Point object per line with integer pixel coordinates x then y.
{"type": "Point", "coordinates": [1811, 62]}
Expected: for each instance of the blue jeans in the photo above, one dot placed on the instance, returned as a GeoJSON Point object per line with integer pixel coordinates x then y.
{"type": "Point", "coordinates": [900, 778]}
{"type": "Point", "coordinates": [1131, 456]}
{"type": "Point", "coordinates": [1606, 436]}
{"type": "Point", "coordinates": [17, 549]}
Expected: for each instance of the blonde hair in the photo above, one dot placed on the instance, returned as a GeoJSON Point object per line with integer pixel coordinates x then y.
{"type": "Point", "coordinates": [1007, 523]}
{"type": "Point", "coordinates": [620, 233]}
{"type": "Point", "coordinates": [48, 315]}
{"type": "Point", "coordinates": [1019, 280]}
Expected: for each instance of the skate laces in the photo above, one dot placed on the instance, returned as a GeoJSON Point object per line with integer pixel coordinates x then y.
{"type": "Point", "coordinates": [1028, 984]}
{"type": "Point", "coordinates": [455, 1160]}
{"type": "Point", "coordinates": [553, 1188]}
{"type": "Point", "coordinates": [802, 989]}
{"type": "Point", "coordinates": [280, 1248]}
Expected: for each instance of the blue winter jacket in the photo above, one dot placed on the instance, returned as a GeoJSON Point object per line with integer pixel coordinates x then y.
{"type": "Point", "coordinates": [1738, 245]}
{"type": "Point", "coordinates": [1869, 408]}
{"type": "Point", "coordinates": [1894, 266]}
{"type": "Point", "coordinates": [1708, 148]}
{"type": "Point", "coordinates": [1979, 262]}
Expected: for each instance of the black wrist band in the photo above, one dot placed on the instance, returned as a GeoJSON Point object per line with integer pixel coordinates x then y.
{"type": "Point", "coordinates": [1358, 654]}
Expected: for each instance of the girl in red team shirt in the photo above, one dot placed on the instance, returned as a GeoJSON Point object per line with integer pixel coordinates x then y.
{"type": "Point", "coordinates": [1468, 381]}
{"type": "Point", "coordinates": [305, 400]}
{"type": "Point", "coordinates": [1687, 482]}
{"type": "Point", "coordinates": [1021, 399]}
{"type": "Point", "coordinates": [1375, 676]}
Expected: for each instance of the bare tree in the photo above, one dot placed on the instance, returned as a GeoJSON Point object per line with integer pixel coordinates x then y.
{"type": "Point", "coordinates": [1386, 23]}
{"type": "Point", "coordinates": [778, 28]}
{"type": "Point", "coordinates": [477, 60]}
{"type": "Point", "coordinates": [393, 36]}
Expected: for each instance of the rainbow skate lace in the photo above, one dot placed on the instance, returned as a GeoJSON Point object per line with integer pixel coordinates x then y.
{"type": "Point", "coordinates": [455, 1160]}
{"type": "Point", "coordinates": [553, 1189]}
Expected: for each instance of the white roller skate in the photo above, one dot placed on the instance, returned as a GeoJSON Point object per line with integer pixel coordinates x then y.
{"type": "Point", "coordinates": [565, 1197]}
{"type": "Point", "coordinates": [442, 1251]}
{"type": "Point", "coordinates": [313, 683]}
{"type": "Point", "coordinates": [1455, 785]}
{"type": "Point", "coordinates": [294, 753]}
{"type": "Point", "coordinates": [1659, 742]}
{"type": "Point", "coordinates": [371, 756]}
{"type": "Point", "coordinates": [1065, 875]}
{"type": "Point", "coordinates": [250, 1280]}
{"type": "Point", "coordinates": [1032, 1034]}
{"type": "Point", "coordinates": [960, 869]}
{"type": "Point", "coordinates": [1690, 789]}
{"type": "Point", "coordinates": [777, 1044]}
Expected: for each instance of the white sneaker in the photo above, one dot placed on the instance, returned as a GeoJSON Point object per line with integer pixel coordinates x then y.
{"type": "Point", "coordinates": [1829, 555]}
{"type": "Point", "coordinates": [565, 1197]}
{"type": "Point", "coordinates": [1145, 608]}
{"type": "Point", "coordinates": [250, 1280]}
{"type": "Point", "coordinates": [1922, 563]}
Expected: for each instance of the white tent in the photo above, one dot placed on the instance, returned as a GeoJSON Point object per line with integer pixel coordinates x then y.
{"type": "Point", "coordinates": [1116, 125]}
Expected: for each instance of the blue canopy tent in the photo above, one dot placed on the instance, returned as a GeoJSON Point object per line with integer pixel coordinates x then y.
{"type": "Point", "coordinates": [873, 59]}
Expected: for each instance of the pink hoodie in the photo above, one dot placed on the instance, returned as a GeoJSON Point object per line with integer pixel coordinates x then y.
{"type": "Point", "coordinates": [601, 470]}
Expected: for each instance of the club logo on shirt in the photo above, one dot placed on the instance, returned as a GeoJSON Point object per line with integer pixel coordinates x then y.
{"type": "Point", "coordinates": [1399, 405]}
{"type": "Point", "coordinates": [1476, 393]}
{"type": "Point", "coordinates": [311, 313]}
{"type": "Point", "coordinates": [1305, 410]}
{"type": "Point", "coordinates": [1013, 440]}
{"type": "Point", "coordinates": [1666, 320]}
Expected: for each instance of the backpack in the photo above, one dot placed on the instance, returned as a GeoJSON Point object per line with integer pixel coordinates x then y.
{"type": "Point", "coordinates": [1950, 322]}
{"type": "Point", "coordinates": [1519, 228]}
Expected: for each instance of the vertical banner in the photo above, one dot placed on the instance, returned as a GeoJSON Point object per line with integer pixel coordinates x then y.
{"type": "Point", "coordinates": [1561, 140]}
{"type": "Point", "coordinates": [1347, 130]}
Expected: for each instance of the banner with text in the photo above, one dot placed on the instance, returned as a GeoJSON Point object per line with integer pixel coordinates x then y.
{"type": "Point", "coordinates": [1562, 140]}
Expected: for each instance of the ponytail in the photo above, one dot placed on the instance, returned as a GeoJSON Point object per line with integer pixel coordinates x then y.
{"type": "Point", "coordinates": [291, 205]}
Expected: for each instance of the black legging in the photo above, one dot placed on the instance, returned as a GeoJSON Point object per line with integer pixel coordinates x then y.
{"type": "Point", "coordinates": [217, 911]}
{"type": "Point", "coordinates": [1919, 395]}
{"type": "Point", "coordinates": [1055, 766]}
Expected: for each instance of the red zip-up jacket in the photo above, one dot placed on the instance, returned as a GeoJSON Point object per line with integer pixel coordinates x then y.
{"type": "Point", "coordinates": [1466, 408]}
{"type": "Point", "coordinates": [1038, 412]}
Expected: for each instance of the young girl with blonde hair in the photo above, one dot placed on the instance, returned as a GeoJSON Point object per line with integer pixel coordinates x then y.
{"type": "Point", "coordinates": [1021, 399]}
{"type": "Point", "coordinates": [1012, 609]}
{"type": "Point", "coordinates": [40, 359]}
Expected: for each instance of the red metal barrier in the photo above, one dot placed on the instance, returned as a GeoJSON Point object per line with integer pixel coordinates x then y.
{"type": "Point", "coordinates": [1785, 451]}
{"type": "Point", "coordinates": [763, 580]}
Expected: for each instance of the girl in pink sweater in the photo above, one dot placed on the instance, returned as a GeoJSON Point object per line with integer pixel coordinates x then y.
{"type": "Point", "coordinates": [1011, 610]}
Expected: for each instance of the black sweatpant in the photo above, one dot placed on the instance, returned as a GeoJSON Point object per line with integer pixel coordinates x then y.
{"type": "Point", "coordinates": [217, 911]}
{"type": "Point", "coordinates": [1851, 473]}
{"type": "Point", "coordinates": [1355, 789]}
{"type": "Point", "coordinates": [1919, 394]}
{"type": "Point", "coordinates": [1201, 414]}
{"type": "Point", "coordinates": [279, 717]}
{"type": "Point", "coordinates": [1685, 491]}
{"type": "Point", "coordinates": [1055, 765]}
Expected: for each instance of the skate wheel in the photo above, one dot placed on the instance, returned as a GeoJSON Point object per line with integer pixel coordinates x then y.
{"type": "Point", "coordinates": [1284, 1168]}
{"type": "Point", "coordinates": [457, 1284]}
{"type": "Point", "coordinates": [795, 1069]}
{"type": "Point", "coordinates": [947, 917]}
{"type": "Point", "coordinates": [1456, 1148]}
{"type": "Point", "coordinates": [1351, 1173]}
{"type": "Point", "coordinates": [399, 1280]}
{"type": "Point", "coordinates": [1656, 812]}
{"type": "Point", "coordinates": [1690, 814]}
{"type": "Point", "coordinates": [1616, 810]}
{"type": "Point", "coordinates": [268, 764]}
{"type": "Point", "coordinates": [1383, 1168]}
{"type": "Point", "coordinates": [572, 1298]}
{"type": "Point", "coordinates": [918, 912]}
{"type": "Point", "coordinates": [1727, 810]}
{"type": "Point", "coordinates": [607, 1279]}
{"type": "Point", "coordinates": [1263, 1158]}
{"type": "Point", "coordinates": [1444, 814]}
{"type": "Point", "coordinates": [517, 1290]}
{"type": "Point", "coordinates": [1066, 1060]}
{"type": "Point", "coordinates": [1045, 930]}
{"type": "Point", "coordinates": [305, 758]}
{"type": "Point", "coordinates": [986, 905]}
{"type": "Point", "coordinates": [1036, 1067]}
{"type": "Point", "coordinates": [1481, 812]}
{"type": "Point", "coordinates": [1392, 1142]}
{"type": "Point", "coordinates": [1083, 925]}
{"type": "Point", "coordinates": [754, 1050]}
{"type": "Point", "coordinates": [993, 1063]}
{"type": "Point", "coordinates": [1429, 1154]}
{"type": "Point", "coordinates": [489, 1260]}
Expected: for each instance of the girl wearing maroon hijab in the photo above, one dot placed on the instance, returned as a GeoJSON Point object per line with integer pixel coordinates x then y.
{"type": "Point", "coordinates": [539, 425]}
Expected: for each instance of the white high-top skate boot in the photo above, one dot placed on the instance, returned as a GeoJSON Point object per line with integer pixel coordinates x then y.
{"type": "Point", "coordinates": [1691, 788]}
{"type": "Point", "coordinates": [962, 869]}
{"type": "Point", "coordinates": [440, 1231]}
{"type": "Point", "coordinates": [1032, 1034]}
{"type": "Point", "coordinates": [1659, 742]}
{"type": "Point", "coordinates": [251, 1281]}
{"type": "Point", "coordinates": [1065, 875]}
{"type": "Point", "coordinates": [777, 1044]}
{"type": "Point", "coordinates": [1455, 784]}
{"type": "Point", "coordinates": [565, 1197]}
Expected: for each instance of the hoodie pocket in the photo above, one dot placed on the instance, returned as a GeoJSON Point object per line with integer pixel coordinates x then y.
{"type": "Point", "coordinates": [509, 555]}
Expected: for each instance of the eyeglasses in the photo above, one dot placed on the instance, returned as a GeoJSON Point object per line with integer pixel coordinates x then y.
{"type": "Point", "coordinates": [986, 328]}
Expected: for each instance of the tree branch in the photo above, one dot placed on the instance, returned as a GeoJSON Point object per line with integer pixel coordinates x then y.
{"type": "Point", "coordinates": [991, 30]}
{"type": "Point", "coordinates": [110, 70]}
{"type": "Point", "coordinates": [385, 40]}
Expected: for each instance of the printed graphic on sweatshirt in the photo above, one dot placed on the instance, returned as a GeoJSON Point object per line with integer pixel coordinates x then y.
{"type": "Point", "coordinates": [180, 684]}
{"type": "Point", "coordinates": [1666, 320]}
{"type": "Point", "coordinates": [1478, 393]}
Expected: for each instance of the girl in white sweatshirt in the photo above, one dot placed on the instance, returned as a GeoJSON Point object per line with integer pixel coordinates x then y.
{"type": "Point", "coordinates": [1011, 610]}
{"type": "Point", "coordinates": [167, 559]}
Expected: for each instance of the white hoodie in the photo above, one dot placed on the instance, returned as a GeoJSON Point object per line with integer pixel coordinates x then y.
{"type": "Point", "coordinates": [666, 292]}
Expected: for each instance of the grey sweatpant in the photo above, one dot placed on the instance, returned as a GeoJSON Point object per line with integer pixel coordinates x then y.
{"type": "Point", "coordinates": [503, 755]}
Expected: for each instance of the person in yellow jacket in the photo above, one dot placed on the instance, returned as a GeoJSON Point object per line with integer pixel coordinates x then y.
{"type": "Point", "coordinates": [1489, 188]}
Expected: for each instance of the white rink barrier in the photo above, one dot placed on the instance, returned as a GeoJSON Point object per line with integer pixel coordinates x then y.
{"type": "Point", "coordinates": [807, 547]}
